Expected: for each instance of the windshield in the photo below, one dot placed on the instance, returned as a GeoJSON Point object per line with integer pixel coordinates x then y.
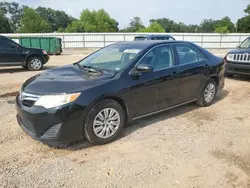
{"type": "Point", "coordinates": [245, 44]}
{"type": "Point", "coordinates": [114, 57]}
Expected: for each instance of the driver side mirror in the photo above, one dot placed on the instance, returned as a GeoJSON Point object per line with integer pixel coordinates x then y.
{"type": "Point", "coordinates": [144, 68]}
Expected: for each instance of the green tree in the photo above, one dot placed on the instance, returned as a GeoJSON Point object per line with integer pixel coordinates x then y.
{"type": "Point", "coordinates": [135, 25]}
{"type": "Point", "coordinates": [60, 30]}
{"type": "Point", "coordinates": [223, 29]}
{"type": "Point", "coordinates": [153, 28]}
{"type": "Point", "coordinates": [57, 19]}
{"type": "Point", "coordinates": [75, 27]}
{"type": "Point", "coordinates": [171, 26]}
{"type": "Point", "coordinates": [207, 26]}
{"type": "Point", "coordinates": [97, 21]}
{"type": "Point", "coordinates": [247, 10]}
{"type": "Point", "coordinates": [225, 24]}
{"type": "Point", "coordinates": [243, 24]}
{"type": "Point", "coordinates": [5, 26]}
{"type": "Point", "coordinates": [31, 22]}
{"type": "Point", "coordinates": [14, 12]}
{"type": "Point", "coordinates": [164, 22]}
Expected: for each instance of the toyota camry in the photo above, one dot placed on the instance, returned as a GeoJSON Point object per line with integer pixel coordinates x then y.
{"type": "Point", "coordinates": [96, 97]}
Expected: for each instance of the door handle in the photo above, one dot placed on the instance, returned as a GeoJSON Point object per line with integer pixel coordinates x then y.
{"type": "Point", "coordinates": [206, 66]}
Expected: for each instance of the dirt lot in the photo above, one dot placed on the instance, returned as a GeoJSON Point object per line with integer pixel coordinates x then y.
{"type": "Point", "coordinates": [184, 147]}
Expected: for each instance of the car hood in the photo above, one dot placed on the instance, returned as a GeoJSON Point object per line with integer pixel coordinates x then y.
{"type": "Point", "coordinates": [240, 50]}
{"type": "Point", "coordinates": [66, 79]}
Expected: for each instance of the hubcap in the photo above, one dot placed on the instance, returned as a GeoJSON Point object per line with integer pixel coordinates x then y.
{"type": "Point", "coordinates": [35, 64]}
{"type": "Point", "coordinates": [209, 92]}
{"type": "Point", "coordinates": [106, 123]}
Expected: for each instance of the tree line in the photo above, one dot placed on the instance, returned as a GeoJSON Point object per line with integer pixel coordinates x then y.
{"type": "Point", "coordinates": [16, 18]}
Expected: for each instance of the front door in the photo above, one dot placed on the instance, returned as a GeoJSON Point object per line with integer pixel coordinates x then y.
{"type": "Point", "coordinates": [10, 52]}
{"type": "Point", "coordinates": [158, 89]}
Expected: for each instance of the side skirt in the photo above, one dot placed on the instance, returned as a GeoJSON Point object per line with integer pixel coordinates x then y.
{"type": "Point", "coordinates": [169, 108]}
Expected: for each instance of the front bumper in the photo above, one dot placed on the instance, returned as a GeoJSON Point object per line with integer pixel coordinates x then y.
{"type": "Point", "coordinates": [54, 126]}
{"type": "Point", "coordinates": [46, 59]}
{"type": "Point", "coordinates": [238, 68]}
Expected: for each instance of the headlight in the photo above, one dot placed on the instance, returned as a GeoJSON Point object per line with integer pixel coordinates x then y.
{"type": "Point", "coordinates": [51, 101]}
{"type": "Point", "coordinates": [230, 57]}
{"type": "Point", "coordinates": [44, 52]}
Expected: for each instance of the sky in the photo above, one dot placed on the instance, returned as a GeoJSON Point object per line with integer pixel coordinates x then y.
{"type": "Point", "coordinates": [186, 11]}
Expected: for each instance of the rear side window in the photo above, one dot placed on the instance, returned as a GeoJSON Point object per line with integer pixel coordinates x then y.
{"type": "Point", "coordinates": [188, 54]}
{"type": "Point", "coordinates": [5, 44]}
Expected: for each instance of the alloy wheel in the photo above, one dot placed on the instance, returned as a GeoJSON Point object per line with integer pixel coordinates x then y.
{"type": "Point", "coordinates": [106, 123]}
{"type": "Point", "coordinates": [209, 92]}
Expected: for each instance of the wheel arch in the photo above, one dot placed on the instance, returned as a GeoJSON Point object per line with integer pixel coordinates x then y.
{"type": "Point", "coordinates": [32, 55]}
{"type": "Point", "coordinates": [216, 79]}
{"type": "Point", "coordinates": [117, 99]}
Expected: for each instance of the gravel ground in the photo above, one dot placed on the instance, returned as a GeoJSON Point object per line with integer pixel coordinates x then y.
{"type": "Point", "coordinates": [184, 147]}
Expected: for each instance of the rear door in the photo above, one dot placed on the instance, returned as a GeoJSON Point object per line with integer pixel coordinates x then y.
{"type": "Point", "coordinates": [193, 70]}
{"type": "Point", "coordinates": [10, 52]}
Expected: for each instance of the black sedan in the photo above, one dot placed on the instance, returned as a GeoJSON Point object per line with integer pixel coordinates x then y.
{"type": "Point", "coordinates": [97, 96]}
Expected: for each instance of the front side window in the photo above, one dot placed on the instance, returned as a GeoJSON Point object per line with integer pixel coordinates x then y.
{"type": "Point", "coordinates": [114, 57]}
{"type": "Point", "coordinates": [188, 54]}
{"type": "Point", "coordinates": [159, 58]}
{"type": "Point", "coordinates": [245, 44]}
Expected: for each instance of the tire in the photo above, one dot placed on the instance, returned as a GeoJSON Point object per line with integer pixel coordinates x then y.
{"type": "Point", "coordinates": [93, 120]}
{"type": "Point", "coordinates": [35, 64]}
{"type": "Point", "coordinates": [203, 100]}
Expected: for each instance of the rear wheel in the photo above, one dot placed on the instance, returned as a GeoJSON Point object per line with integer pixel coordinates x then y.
{"type": "Point", "coordinates": [208, 93]}
{"type": "Point", "coordinates": [35, 64]}
{"type": "Point", "coordinates": [104, 122]}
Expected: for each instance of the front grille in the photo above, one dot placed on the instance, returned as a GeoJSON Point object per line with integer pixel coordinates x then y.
{"type": "Point", "coordinates": [28, 99]}
{"type": "Point", "coordinates": [242, 58]}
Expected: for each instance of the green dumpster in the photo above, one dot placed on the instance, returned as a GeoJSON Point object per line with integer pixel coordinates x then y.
{"type": "Point", "coordinates": [52, 45]}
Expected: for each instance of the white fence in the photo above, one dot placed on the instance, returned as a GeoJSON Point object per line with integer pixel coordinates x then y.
{"type": "Point", "coordinates": [97, 40]}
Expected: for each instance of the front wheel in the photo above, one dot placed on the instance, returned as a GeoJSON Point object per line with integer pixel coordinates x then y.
{"type": "Point", "coordinates": [104, 122]}
{"type": "Point", "coordinates": [35, 64]}
{"type": "Point", "coordinates": [208, 93]}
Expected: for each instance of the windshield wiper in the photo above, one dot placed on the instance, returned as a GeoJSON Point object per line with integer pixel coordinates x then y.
{"type": "Point", "coordinates": [88, 68]}
{"type": "Point", "coordinates": [91, 69]}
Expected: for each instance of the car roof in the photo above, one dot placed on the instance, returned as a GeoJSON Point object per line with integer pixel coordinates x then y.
{"type": "Point", "coordinates": [1, 36]}
{"type": "Point", "coordinates": [150, 43]}
{"type": "Point", "coordinates": [154, 36]}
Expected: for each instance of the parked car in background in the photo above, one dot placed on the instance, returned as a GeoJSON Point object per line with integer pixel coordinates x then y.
{"type": "Point", "coordinates": [154, 37]}
{"type": "Point", "coordinates": [97, 96]}
{"type": "Point", "coordinates": [52, 45]}
{"type": "Point", "coordinates": [13, 54]}
{"type": "Point", "coordinates": [238, 61]}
